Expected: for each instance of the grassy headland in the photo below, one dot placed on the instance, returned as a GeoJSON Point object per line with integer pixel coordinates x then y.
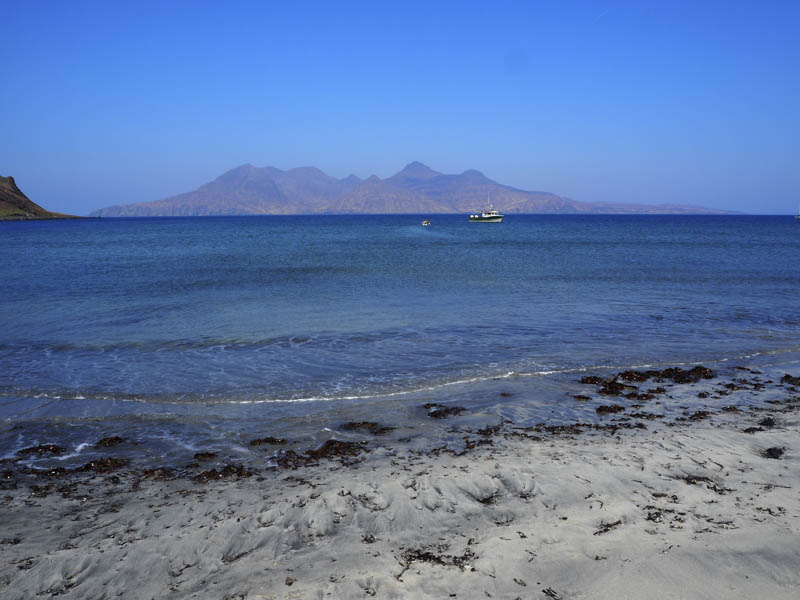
{"type": "Point", "coordinates": [16, 206]}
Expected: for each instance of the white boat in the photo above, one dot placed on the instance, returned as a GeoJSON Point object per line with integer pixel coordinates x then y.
{"type": "Point", "coordinates": [797, 216]}
{"type": "Point", "coordinates": [426, 222]}
{"type": "Point", "coordinates": [487, 216]}
{"type": "Point", "coordinates": [490, 215]}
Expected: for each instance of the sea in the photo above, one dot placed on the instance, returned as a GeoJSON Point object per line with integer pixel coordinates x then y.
{"type": "Point", "coordinates": [182, 335]}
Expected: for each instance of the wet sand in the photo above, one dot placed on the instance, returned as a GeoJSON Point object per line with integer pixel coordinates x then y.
{"type": "Point", "coordinates": [705, 505]}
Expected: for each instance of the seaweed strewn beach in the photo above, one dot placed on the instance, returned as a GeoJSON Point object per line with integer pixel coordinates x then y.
{"type": "Point", "coordinates": [702, 505]}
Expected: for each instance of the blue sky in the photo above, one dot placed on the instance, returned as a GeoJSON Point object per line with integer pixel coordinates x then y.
{"type": "Point", "coordinates": [680, 102]}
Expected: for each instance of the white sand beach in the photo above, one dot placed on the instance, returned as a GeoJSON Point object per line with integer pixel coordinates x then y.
{"type": "Point", "coordinates": [694, 508]}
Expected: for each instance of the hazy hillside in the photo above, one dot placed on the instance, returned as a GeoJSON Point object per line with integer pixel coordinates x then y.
{"type": "Point", "coordinates": [249, 190]}
{"type": "Point", "coordinates": [16, 206]}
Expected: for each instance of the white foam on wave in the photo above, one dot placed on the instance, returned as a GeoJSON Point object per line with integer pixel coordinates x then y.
{"type": "Point", "coordinates": [421, 389]}
{"type": "Point", "coordinates": [479, 379]}
{"type": "Point", "coordinates": [78, 449]}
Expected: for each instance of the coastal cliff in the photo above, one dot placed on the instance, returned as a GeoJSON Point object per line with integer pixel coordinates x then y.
{"type": "Point", "coordinates": [16, 206]}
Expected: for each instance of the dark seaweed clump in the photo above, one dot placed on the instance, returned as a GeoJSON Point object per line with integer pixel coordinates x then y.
{"type": "Point", "coordinates": [41, 450]}
{"type": "Point", "coordinates": [790, 380]}
{"type": "Point", "coordinates": [273, 441]}
{"type": "Point", "coordinates": [102, 465]}
{"type": "Point", "coordinates": [331, 449]}
{"type": "Point", "coordinates": [768, 422]}
{"type": "Point", "coordinates": [606, 410]}
{"type": "Point", "coordinates": [204, 455]}
{"type": "Point", "coordinates": [775, 452]}
{"type": "Point", "coordinates": [368, 426]}
{"type": "Point", "coordinates": [440, 411]}
{"type": "Point", "coordinates": [110, 442]}
{"type": "Point", "coordinates": [159, 473]}
{"type": "Point", "coordinates": [612, 387]}
{"type": "Point", "coordinates": [227, 472]}
{"type": "Point", "coordinates": [435, 555]}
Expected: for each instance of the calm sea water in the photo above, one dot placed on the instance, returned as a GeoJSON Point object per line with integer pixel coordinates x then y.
{"type": "Point", "coordinates": [199, 327]}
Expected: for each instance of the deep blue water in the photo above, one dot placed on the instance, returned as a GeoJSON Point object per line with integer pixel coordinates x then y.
{"type": "Point", "coordinates": [200, 317]}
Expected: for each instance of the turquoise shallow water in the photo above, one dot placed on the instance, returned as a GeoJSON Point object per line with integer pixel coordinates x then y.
{"type": "Point", "coordinates": [231, 321]}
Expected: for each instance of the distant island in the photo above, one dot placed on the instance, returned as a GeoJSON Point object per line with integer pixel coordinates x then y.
{"type": "Point", "coordinates": [16, 206]}
{"type": "Point", "coordinates": [249, 190]}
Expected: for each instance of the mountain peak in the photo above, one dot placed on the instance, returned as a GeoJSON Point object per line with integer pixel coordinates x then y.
{"type": "Point", "coordinates": [240, 173]}
{"type": "Point", "coordinates": [416, 170]}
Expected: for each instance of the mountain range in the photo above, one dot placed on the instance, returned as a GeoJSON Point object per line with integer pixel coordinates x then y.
{"type": "Point", "coordinates": [16, 206]}
{"type": "Point", "coordinates": [249, 190]}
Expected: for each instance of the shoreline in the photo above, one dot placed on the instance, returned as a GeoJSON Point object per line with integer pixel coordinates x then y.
{"type": "Point", "coordinates": [706, 505]}
{"type": "Point", "coordinates": [168, 435]}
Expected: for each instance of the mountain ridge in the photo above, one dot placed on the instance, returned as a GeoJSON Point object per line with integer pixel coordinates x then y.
{"type": "Point", "coordinates": [250, 190]}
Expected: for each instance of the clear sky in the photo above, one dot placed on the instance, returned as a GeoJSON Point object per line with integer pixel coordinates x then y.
{"type": "Point", "coordinates": [667, 101]}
